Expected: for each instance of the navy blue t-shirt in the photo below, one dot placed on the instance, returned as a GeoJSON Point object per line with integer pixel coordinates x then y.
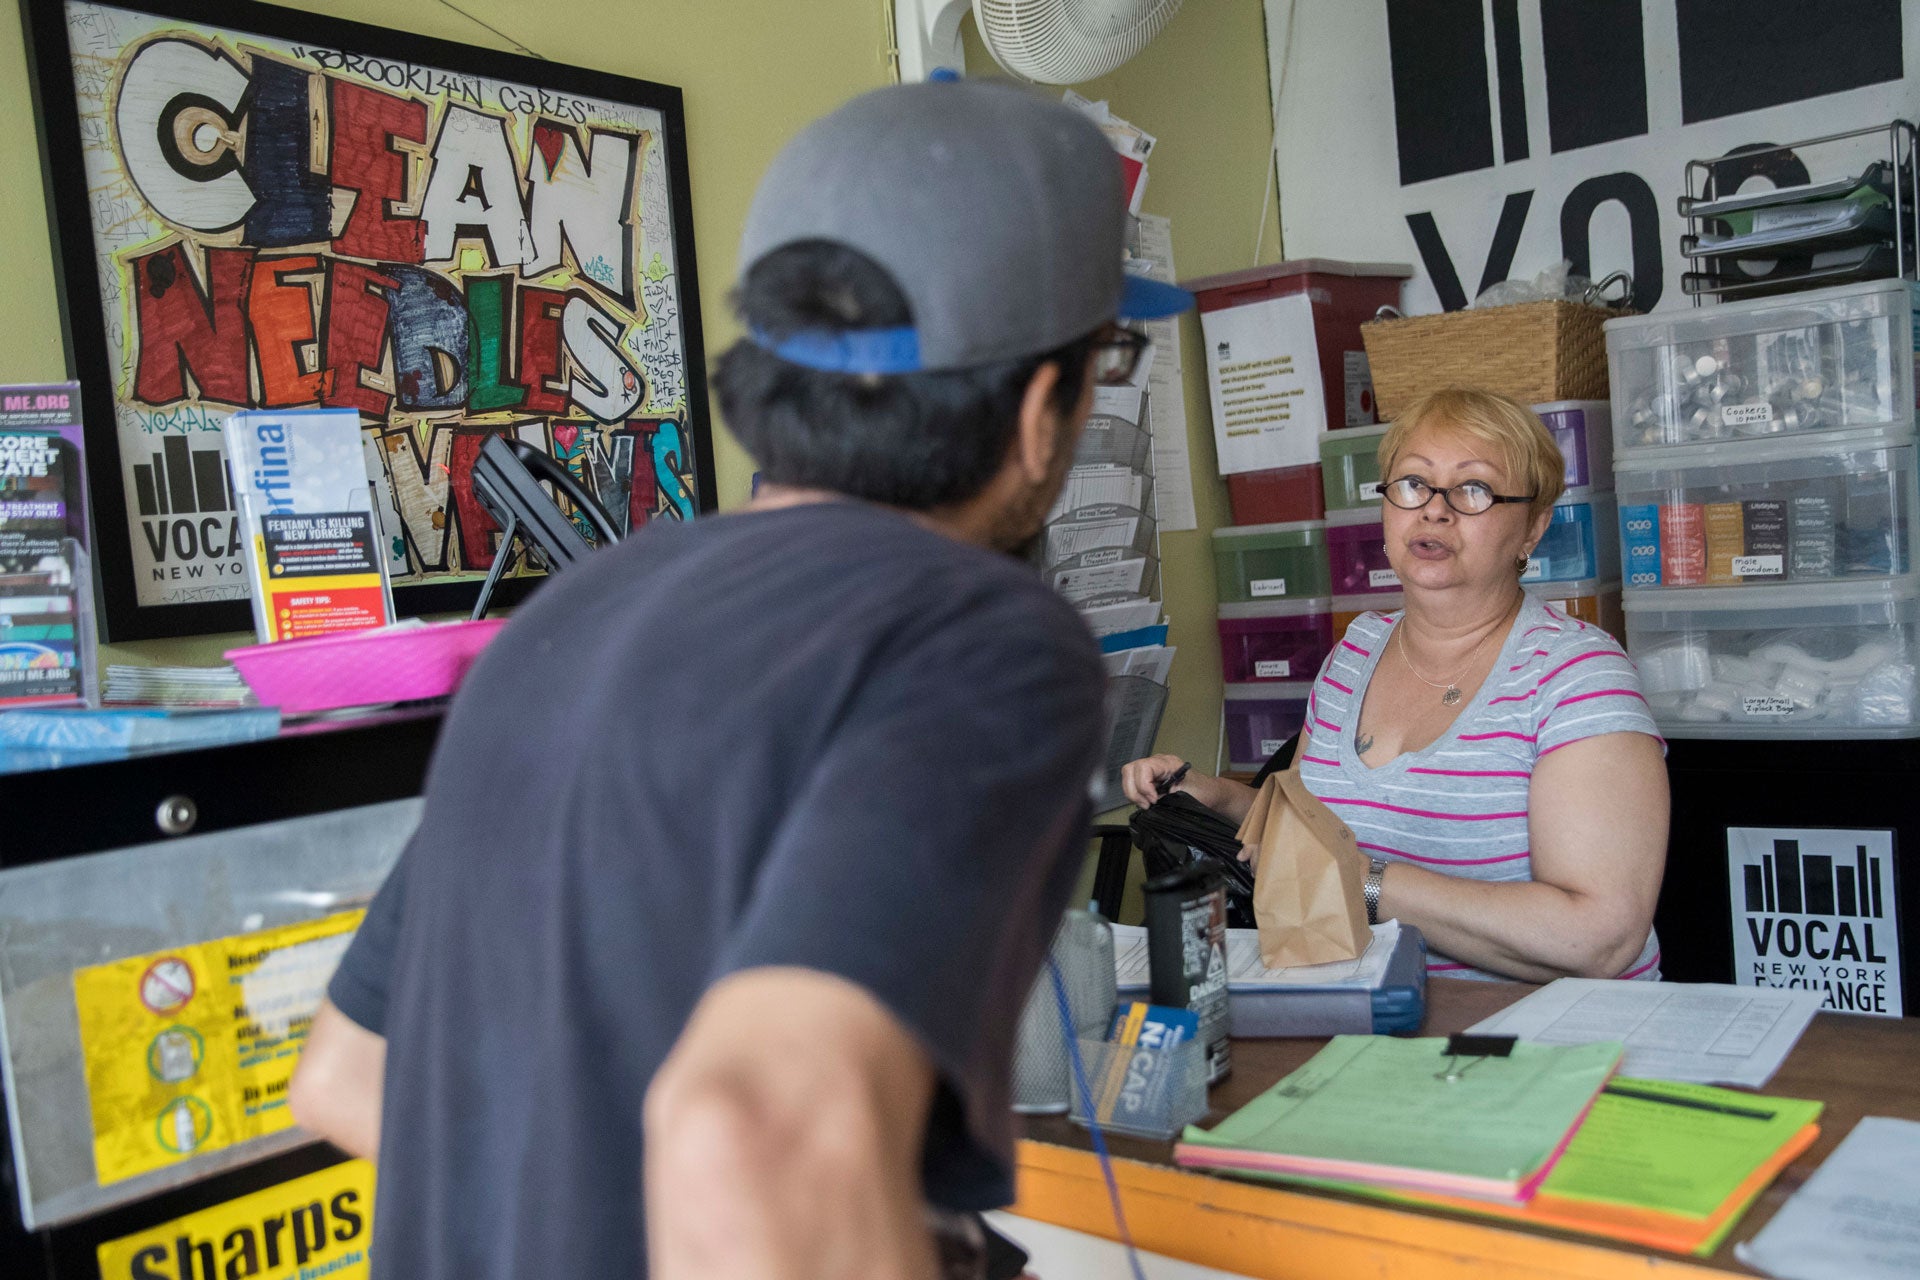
{"type": "Point", "coordinates": [821, 736]}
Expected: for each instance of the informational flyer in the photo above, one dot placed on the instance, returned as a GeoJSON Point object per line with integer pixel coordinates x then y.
{"type": "Point", "coordinates": [317, 1225]}
{"type": "Point", "coordinates": [1815, 909]}
{"type": "Point", "coordinates": [1263, 377]}
{"type": "Point", "coordinates": [320, 574]}
{"type": "Point", "coordinates": [190, 1050]}
{"type": "Point", "coordinates": [46, 627]}
{"type": "Point", "coordinates": [318, 564]}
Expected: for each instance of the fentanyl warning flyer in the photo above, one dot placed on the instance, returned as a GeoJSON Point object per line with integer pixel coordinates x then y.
{"type": "Point", "coordinates": [190, 1050]}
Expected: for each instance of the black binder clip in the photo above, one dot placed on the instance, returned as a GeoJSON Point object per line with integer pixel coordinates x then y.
{"type": "Point", "coordinates": [1478, 1048]}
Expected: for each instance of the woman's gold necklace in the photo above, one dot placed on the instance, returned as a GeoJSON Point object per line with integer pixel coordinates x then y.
{"type": "Point", "coordinates": [1452, 694]}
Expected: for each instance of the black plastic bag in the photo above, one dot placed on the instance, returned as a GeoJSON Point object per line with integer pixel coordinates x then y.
{"type": "Point", "coordinates": [1179, 831]}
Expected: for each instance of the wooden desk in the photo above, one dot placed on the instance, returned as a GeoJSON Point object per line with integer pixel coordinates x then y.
{"type": "Point", "coordinates": [1857, 1065]}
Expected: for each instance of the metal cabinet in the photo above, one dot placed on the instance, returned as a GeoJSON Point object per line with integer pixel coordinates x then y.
{"type": "Point", "coordinates": [103, 862]}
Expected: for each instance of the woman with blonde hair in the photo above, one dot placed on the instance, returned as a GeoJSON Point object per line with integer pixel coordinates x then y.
{"type": "Point", "coordinates": [1493, 756]}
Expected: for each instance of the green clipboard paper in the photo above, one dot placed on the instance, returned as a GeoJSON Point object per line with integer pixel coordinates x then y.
{"type": "Point", "coordinates": [1406, 1114]}
{"type": "Point", "coordinates": [1675, 1148]}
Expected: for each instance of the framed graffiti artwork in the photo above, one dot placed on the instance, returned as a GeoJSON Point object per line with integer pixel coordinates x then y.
{"type": "Point", "coordinates": [257, 208]}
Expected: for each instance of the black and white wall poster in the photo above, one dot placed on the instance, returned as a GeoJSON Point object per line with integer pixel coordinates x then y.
{"type": "Point", "coordinates": [1482, 140]}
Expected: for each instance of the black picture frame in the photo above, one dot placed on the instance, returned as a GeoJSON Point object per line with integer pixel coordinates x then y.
{"type": "Point", "coordinates": [399, 55]}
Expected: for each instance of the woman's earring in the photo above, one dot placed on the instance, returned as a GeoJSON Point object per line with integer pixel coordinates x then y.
{"type": "Point", "coordinates": [1520, 565]}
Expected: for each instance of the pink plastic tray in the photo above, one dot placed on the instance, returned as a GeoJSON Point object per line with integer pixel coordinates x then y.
{"type": "Point", "coordinates": [358, 668]}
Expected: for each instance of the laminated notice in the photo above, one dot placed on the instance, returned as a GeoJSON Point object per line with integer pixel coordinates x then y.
{"type": "Point", "coordinates": [190, 1050]}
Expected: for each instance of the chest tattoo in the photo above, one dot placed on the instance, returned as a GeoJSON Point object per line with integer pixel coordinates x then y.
{"type": "Point", "coordinates": [1363, 743]}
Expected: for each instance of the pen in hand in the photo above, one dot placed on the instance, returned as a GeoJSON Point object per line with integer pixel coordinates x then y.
{"type": "Point", "coordinates": [1172, 780]}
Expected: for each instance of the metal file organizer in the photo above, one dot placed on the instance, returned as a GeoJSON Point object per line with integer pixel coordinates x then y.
{"type": "Point", "coordinates": [1816, 239]}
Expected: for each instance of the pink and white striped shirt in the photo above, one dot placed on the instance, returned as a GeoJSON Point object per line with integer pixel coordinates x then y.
{"type": "Point", "coordinates": [1460, 805]}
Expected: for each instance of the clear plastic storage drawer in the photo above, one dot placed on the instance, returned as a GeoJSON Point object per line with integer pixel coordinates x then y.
{"type": "Point", "coordinates": [1584, 431]}
{"type": "Point", "coordinates": [1260, 718]}
{"type": "Point", "coordinates": [1809, 510]}
{"type": "Point", "coordinates": [1579, 543]}
{"type": "Point", "coordinates": [1831, 661]}
{"type": "Point", "coordinates": [1820, 360]}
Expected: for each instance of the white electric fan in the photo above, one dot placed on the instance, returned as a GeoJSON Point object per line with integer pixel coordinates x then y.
{"type": "Point", "coordinates": [1047, 41]}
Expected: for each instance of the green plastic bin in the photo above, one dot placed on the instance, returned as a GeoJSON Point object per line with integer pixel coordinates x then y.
{"type": "Point", "coordinates": [1350, 467]}
{"type": "Point", "coordinates": [1269, 561]}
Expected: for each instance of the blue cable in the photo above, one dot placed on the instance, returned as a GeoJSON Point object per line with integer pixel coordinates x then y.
{"type": "Point", "coordinates": [1093, 1124]}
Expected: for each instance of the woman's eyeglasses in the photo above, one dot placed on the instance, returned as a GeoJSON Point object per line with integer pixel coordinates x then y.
{"type": "Point", "coordinates": [1116, 355]}
{"type": "Point", "coordinates": [1469, 497]}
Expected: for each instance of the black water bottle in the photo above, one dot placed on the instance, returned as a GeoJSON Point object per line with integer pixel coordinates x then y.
{"type": "Point", "coordinates": [1187, 956]}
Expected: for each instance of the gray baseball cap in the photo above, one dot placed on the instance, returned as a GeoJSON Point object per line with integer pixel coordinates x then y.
{"type": "Point", "coordinates": [999, 214]}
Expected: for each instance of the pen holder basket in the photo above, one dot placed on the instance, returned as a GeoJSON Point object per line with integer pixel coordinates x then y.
{"type": "Point", "coordinates": [1142, 1090]}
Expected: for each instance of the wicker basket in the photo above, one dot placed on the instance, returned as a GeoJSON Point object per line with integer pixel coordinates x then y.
{"type": "Point", "coordinates": [1532, 351]}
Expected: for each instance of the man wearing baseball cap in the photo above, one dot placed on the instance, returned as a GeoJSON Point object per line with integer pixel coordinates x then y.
{"type": "Point", "coordinates": [744, 842]}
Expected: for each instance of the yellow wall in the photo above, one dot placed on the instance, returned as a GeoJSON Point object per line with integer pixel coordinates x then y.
{"type": "Point", "coordinates": [1201, 89]}
{"type": "Point", "coordinates": [753, 71]}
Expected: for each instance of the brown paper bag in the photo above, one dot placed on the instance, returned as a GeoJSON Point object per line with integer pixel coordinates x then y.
{"type": "Point", "coordinates": [1307, 887]}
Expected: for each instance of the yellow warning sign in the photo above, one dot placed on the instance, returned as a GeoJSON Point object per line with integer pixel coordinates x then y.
{"type": "Point", "coordinates": [314, 1226]}
{"type": "Point", "coordinates": [190, 1050]}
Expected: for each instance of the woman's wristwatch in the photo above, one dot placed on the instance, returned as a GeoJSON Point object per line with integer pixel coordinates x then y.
{"type": "Point", "coordinates": [1371, 889]}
